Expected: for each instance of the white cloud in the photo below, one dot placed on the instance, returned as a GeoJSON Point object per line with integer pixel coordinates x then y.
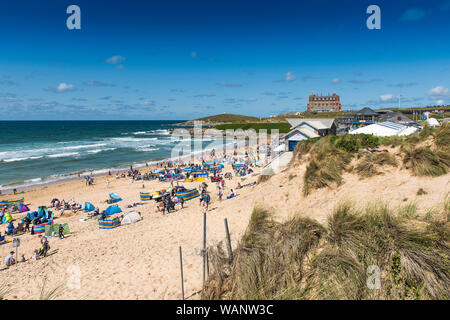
{"type": "Point", "coordinates": [440, 102]}
{"type": "Point", "coordinates": [290, 77]}
{"type": "Point", "coordinates": [439, 91]}
{"type": "Point", "coordinates": [387, 97]}
{"type": "Point", "coordinates": [336, 80]}
{"type": "Point", "coordinates": [64, 87]}
{"type": "Point", "coordinates": [115, 59]}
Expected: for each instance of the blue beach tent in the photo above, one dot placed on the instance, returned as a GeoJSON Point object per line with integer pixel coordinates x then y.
{"type": "Point", "coordinates": [115, 197]}
{"type": "Point", "coordinates": [88, 207]}
{"type": "Point", "coordinates": [112, 210]}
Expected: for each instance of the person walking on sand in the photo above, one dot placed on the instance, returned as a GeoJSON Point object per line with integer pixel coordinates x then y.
{"type": "Point", "coordinates": [206, 200]}
{"type": "Point", "coordinates": [220, 193]}
{"type": "Point", "coordinates": [61, 231]}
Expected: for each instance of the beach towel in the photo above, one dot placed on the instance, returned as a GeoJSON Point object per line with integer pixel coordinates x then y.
{"type": "Point", "coordinates": [188, 195]}
{"type": "Point", "coordinates": [145, 196]}
{"type": "Point", "coordinates": [108, 224]}
{"type": "Point", "coordinates": [198, 179]}
{"type": "Point", "coordinates": [88, 207]}
{"type": "Point", "coordinates": [112, 210]}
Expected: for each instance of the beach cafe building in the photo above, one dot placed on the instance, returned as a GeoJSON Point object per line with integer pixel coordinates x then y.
{"type": "Point", "coordinates": [298, 134]}
{"type": "Point", "coordinates": [302, 129]}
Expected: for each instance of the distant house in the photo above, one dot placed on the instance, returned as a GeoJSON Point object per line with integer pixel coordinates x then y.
{"type": "Point", "coordinates": [302, 129]}
{"type": "Point", "coordinates": [397, 117]}
{"type": "Point", "coordinates": [367, 116]}
{"type": "Point", "coordinates": [364, 116]}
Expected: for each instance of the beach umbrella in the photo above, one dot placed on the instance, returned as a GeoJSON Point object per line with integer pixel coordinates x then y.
{"type": "Point", "coordinates": [112, 210]}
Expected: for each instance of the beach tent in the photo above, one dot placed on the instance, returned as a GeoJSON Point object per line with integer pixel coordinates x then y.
{"type": "Point", "coordinates": [32, 215]}
{"type": "Point", "coordinates": [188, 194]}
{"type": "Point", "coordinates": [23, 208]}
{"type": "Point", "coordinates": [432, 122]}
{"type": "Point", "coordinates": [108, 224]}
{"type": "Point", "coordinates": [88, 207]}
{"type": "Point", "coordinates": [6, 218]}
{"type": "Point", "coordinates": [280, 148]}
{"type": "Point", "coordinates": [145, 196]}
{"type": "Point", "coordinates": [112, 210]}
{"type": "Point", "coordinates": [115, 197]}
{"type": "Point", "coordinates": [131, 217]}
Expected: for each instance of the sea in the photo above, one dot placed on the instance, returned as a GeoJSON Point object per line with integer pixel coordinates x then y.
{"type": "Point", "coordinates": [45, 152]}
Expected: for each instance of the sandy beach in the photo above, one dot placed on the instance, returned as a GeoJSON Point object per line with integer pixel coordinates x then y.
{"type": "Point", "coordinates": [140, 261]}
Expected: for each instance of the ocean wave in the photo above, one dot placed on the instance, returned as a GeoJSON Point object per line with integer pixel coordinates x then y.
{"type": "Point", "coordinates": [84, 146]}
{"type": "Point", "coordinates": [162, 131]}
{"type": "Point", "coordinates": [100, 150]}
{"type": "Point", "coordinates": [146, 149]}
{"type": "Point", "coordinates": [133, 139]}
{"type": "Point", "coordinates": [60, 155]}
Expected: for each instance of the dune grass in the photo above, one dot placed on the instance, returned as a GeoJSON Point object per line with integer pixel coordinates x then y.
{"type": "Point", "coordinates": [370, 163]}
{"type": "Point", "coordinates": [426, 153]}
{"type": "Point", "coordinates": [330, 157]}
{"type": "Point", "coordinates": [442, 136]}
{"type": "Point", "coordinates": [423, 161]}
{"type": "Point", "coordinates": [301, 259]}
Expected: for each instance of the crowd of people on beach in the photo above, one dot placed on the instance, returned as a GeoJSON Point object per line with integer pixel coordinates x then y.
{"type": "Point", "coordinates": [167, 201]}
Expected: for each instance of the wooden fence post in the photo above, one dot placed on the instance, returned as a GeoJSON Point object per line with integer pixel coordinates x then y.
{"type": "Point", "coordinates": [227, 232]}
{"type": "Point", "coordinates": [204, 249]}
{"type": "Point", "coordinates": [181, 270]}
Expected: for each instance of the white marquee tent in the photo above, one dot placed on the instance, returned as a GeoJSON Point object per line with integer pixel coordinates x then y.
{"type": "Point", "coordinates": [385, 129]}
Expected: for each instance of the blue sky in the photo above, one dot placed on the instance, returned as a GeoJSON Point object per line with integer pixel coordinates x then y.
{"type": "Point", "coordinates": [185, 59]}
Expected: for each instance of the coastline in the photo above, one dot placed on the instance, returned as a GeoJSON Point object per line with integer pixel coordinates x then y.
{"type": "Point", "coordinates": [42, 182]}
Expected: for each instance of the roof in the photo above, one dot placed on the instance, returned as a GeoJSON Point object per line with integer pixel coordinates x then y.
{"type": "Point", "coordinates": [304, 131]}
{"type": "Point", "coordinates": [366, 112]}
{"type": "Point", "coordinates": [385, 129]}
{"type": "Point", "coordinates": [319, 123]}
{"type": "Point", "coordinates": [395, 116]}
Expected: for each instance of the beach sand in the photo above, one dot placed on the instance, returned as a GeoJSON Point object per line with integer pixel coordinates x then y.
{"type": "Point", "coordinates": [141, 261]}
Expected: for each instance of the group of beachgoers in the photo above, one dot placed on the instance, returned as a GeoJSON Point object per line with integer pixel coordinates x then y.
{"type": "Point", "coordinates": [37, 253]}
{"type": "Point", "coordinates": [166, 201]}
